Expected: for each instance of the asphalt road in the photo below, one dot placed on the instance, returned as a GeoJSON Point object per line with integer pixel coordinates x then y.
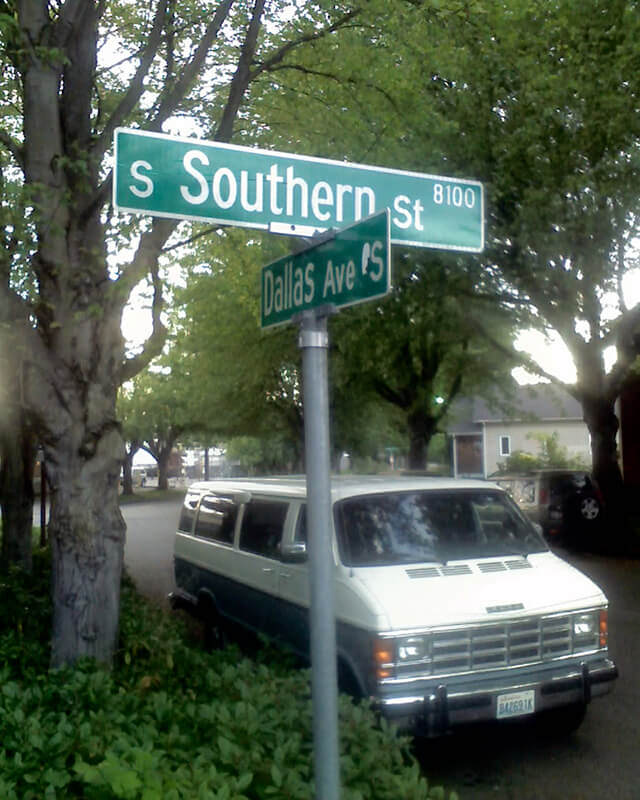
{"type": "Point", "coordinates": [514, 762]}
{"type": "Point", "coordinates": [148, 552]}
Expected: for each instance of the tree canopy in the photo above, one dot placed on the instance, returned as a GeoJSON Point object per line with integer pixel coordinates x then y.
{"type": "Point", "coordinates": [537, 100]}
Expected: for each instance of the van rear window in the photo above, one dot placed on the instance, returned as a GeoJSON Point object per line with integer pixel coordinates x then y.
{"type": "Point", "coordinates": [413, 527]}
{"type": "Point", "coordinates": [217, 518]}
{"type": "Point", "coordinates": [188, 513]}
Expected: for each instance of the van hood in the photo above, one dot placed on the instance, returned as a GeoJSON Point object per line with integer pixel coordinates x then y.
{"type": "Point", "coordinates": [427, 595]}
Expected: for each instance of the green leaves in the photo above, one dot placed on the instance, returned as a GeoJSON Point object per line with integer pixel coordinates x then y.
{"type": "Point", "coordinates": [176, 723]}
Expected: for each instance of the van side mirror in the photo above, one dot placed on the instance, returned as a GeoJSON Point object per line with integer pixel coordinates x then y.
{"type": "Point", "coordinates": [295, 553]}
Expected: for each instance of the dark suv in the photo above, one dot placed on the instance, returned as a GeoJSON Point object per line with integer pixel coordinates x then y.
{"type": "Point", "coordinates": [566, 503]}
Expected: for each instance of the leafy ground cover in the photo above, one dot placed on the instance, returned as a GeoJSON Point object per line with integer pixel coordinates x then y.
{"type": "Point", "coordinates": [170, 721]}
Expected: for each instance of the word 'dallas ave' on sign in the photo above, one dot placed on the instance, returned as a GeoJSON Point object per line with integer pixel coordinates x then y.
{"type": "Point", "coordinates": [350, 268]}
{"type": "Point", "coordinates": [287, 193]}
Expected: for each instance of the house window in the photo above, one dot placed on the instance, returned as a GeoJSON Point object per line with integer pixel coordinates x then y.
{"type": "Point", "coordinates": [505, 445]}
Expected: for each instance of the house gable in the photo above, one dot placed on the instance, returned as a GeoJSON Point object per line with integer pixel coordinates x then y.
{"type": "Point", "coordinates": [500, 430]}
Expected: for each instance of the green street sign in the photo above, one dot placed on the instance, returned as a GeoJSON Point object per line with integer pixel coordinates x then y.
{"type": "Point", "coordinates": [352, 267]}
{"type": "Point", "coordinates": [188, 178]}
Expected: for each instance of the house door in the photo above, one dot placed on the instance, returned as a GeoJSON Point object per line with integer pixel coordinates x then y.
{"type": "Point", "coordinates": [469, 455]}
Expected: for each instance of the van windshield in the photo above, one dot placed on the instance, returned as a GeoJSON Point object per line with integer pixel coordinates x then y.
{"type": "Point", "coordinates": [431, 526]}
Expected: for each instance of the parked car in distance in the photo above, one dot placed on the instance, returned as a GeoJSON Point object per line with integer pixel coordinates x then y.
{"type": "Point", "coordinates": [566, 503]}
{"type": "Point", "coordinates": [450, 608]}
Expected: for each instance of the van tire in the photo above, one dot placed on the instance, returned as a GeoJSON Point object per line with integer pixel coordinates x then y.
{"type": "Point", "coordinates": [214, 635]}
{"type": "Point", "coordinates": [565, 720]}
{"type": "Point", "coordinates": [347, 681]}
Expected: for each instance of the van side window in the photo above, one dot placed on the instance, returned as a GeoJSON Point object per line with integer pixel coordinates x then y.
{"type": "Point", "coordinates": [188, 512]}
{"type": "Point", "coordinates": [262, 525]}
{"type": "Point", "coordinates": [216, 518]}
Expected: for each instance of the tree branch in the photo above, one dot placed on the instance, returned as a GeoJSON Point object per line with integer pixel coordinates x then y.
{"type": "Point", "coordinates": [154, 344]}
{"type": "Point", "coordinates": [189, 72]}
{"type": "Point", "coordinates": [242, 76]}
{"type": "Point", "coordinates": [526, 361]}
{"type": "Point", "coordinates": [280, 54]}
{"type": "Point", "coordinates": [14, 147]}
{"type": "Point", "coordinates": [70, 13]}
{"type": "Point", "coordinates": [136, 86]}
{"type": "Point", "coordinates": [192, 239]}
{"type": "Point", "coordinates": [171, 101]}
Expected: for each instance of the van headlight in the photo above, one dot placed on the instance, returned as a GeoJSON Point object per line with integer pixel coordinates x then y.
{"type": "Point", "coordinates": [586, 629]}
{"type": "Point", "coordinates": [412, 648]}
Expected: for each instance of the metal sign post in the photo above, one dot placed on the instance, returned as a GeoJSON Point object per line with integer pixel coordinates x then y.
{"type": "Point", "coordinates": [314, 343]}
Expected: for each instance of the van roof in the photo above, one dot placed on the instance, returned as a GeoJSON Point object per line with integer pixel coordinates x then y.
{"type": "Point", "coordinates": [341, 485]}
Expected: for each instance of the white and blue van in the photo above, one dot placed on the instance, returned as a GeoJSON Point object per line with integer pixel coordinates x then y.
{"type": "Point", "coordinates": [450, 607]}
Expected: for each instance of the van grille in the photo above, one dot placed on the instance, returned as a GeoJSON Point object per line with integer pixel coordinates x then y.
{"type": "Point", "coordinates": [489, 646]}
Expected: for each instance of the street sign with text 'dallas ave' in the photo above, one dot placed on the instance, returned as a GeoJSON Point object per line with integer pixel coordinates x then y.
{"type": "Point", "coordinates": [187, 178]}
{"type": "Point", "coordinates": [351, 267]}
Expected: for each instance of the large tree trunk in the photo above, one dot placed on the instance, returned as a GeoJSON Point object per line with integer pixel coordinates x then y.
{"type": "Point", "coordinates": [421, 429]}
{"type": "Point", "coordinates": [16, 489]}
{"type": "Point", "coordinates": [163, 469]}
{"type": "Point", "coordinates": [127, 469]}
{"type": "Point", "coordinates": [74, 357]}
{"type": "Point", "coordinates": [597, 393]}
{"type": "Point", "coordinates": [601, 420]}
{"type": "Point", "coordinates": [87, 535]}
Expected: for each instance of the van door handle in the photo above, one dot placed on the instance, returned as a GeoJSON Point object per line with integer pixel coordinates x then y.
{"type": "Point", "coordinates": [267, 569]}
{"type": "Point", "coordinates": [285, 574]}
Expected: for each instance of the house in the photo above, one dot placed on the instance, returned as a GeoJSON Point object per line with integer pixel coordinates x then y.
{"type": "Point", "coordinates": [485, 435]}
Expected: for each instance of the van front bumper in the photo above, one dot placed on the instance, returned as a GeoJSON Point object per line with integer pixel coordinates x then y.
{"type": "Point", "coordinates": [448, 704]}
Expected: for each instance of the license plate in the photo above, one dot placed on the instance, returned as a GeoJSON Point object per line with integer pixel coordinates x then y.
{"type": "Point", "coordinates": [515, 704]}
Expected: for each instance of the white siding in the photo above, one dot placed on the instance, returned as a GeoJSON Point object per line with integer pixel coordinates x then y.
{"type": "Point", "coordinates": [572, 435]}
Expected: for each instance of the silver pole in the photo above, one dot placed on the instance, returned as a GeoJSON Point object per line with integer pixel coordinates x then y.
{"type": "Point", "coordinates": [314, 343]}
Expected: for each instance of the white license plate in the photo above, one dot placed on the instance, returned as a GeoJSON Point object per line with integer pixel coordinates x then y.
{"type": "Point", "coordinates": [515, 704]}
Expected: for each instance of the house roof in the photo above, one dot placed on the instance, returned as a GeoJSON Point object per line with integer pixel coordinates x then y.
{"type": "Point", "coordinates": [544, 402]}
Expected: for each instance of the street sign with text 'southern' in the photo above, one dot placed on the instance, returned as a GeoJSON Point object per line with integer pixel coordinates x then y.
{"type": "Point", "coordinates": [351, 267]}
{"type": "Point", "coordinates": [189, 178]}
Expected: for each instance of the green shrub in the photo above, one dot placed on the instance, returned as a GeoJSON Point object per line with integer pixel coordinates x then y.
{"type": "Point", "coordinates": [170, 721]}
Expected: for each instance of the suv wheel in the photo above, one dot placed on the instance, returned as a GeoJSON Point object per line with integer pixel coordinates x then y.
{"type": "Point", "coordinates": [589, 508]}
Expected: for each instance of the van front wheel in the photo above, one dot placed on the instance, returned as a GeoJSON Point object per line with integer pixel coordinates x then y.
{"type": "Point", "coordinates": [564, 721]}
{"type": "Point", "coordinates": [347, 682]}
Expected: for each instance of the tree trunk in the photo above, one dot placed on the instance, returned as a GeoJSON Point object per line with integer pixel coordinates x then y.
{"type": "Point", "coordinates": [87, 533]}
{"type": "Point", "coordinates": [601, 420]}
{"type": "Point", "coordinates": [421, 429]}
{"type": "Point", "coordinates": [163, 469]}
{"type": "Point", "coordinates": [16, 490]}
{"type": "Point", "coordinates": [127, 469]}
